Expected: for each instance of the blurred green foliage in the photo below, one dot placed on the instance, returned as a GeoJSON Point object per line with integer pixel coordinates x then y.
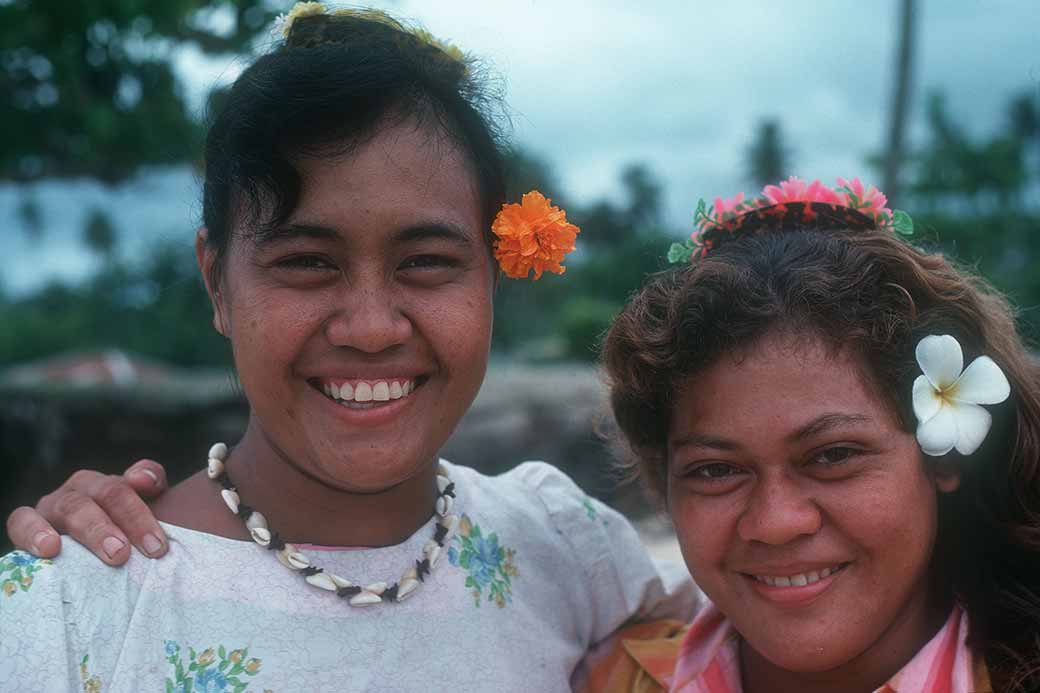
{"type": "Point", "coordinates": [157, 307]}
{"type": "Point", "coordinates": [89, 86]}
{"type": "Point", "coordinates": [93, 93]}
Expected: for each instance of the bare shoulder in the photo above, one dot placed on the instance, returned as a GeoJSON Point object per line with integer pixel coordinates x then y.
{"type": "Point", "coordinates": [195, 504]}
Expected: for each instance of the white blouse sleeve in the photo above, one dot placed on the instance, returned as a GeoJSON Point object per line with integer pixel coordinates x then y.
{"type": "Point", "coordinates": [623, 583]}
{"type": "Point", "coordinates": [35, 654]}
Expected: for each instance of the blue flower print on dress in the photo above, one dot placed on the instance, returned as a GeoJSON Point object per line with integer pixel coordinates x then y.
{"type": "Point", "coordinates": [17, 571]}
{"type": "Point", "coordinates": [211, 681]}
{"type": "Point", "coordinates": [488, 565]}
{"type": "Point", "coordinates": [209, 671]}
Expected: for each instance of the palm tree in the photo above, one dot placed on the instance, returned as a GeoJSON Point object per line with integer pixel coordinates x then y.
{"type": "Point", "coordinates": [900, 101]}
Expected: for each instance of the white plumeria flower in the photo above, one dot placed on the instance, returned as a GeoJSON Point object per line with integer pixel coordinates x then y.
{"type": "Point", "coordinates": [946, 400]}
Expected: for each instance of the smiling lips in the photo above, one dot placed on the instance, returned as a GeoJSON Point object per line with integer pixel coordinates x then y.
{"type": "Point", "coordinates": [795, 590]}
{"type": "Point", "coordinates": [349, 392]}
{"type": "Point", "coordinates": [799, 579]}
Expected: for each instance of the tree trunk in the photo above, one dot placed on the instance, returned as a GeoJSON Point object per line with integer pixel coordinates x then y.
{"type": "Point", "coordinates": [900, 102]}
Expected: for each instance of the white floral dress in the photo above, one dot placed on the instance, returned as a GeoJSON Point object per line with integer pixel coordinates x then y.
{"type": "Point", "coordinates": [535, 574]}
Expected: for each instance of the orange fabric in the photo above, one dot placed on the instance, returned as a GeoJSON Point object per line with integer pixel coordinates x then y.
{"type": "Point", "coordinates": [643, 658]}
{"type": "Point", "coordinates": [638, 658]}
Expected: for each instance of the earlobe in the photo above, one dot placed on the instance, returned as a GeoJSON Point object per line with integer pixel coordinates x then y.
{"type": "Point", "coordinates": [206, 256]}
{"type": "Point", "coordinates": [947, 477]}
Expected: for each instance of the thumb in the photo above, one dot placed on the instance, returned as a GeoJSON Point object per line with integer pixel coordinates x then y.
{"type": "Point", "coordinates": [147, 477]}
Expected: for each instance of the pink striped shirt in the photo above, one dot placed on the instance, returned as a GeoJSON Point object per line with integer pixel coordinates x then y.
{"type": "Point", "coordinates": [708, 660]}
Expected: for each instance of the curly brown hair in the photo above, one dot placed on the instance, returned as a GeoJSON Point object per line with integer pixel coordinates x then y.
{"type": "Point", "coordinates": [877, 296]}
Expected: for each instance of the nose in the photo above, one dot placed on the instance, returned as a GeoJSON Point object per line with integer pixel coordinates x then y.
{"type": "Point", "coordinates": [778, 511]}
{"type": "Point", "coordinates": [369, 319]}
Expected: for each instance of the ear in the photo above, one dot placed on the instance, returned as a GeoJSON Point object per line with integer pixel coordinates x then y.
{"type": "Point", "coordinates": [206, 256]}
{"type": "Point", "coordinates": [947, 477]}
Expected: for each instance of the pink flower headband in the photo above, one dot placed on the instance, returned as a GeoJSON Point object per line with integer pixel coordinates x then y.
{"type": "Point", "coordinates": [790, 204]}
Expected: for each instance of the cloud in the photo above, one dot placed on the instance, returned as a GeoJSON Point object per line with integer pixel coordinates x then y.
{"type": "Point", "coordinates": [682, 85]}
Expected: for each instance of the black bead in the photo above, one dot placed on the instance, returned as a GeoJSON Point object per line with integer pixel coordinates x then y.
{"type": "Point", "coordinates": [276, 543]}
{"type": "Point", "coordinates": [390, 593]}
{"type": "Point", "coordinates": [225, 481]}
{"type": "Point", "coordinates": [449, 490]}
{"type": "Point", "coordinates": [244, 511]}
{"type": "Point", "coordinates": [348, 591]}
{"type": "Point", "coordinates": [439, 532]}
{"type": "Point", "coordinates": [311, 570]}
{"type": "Point", "coordinates": [422, 568]}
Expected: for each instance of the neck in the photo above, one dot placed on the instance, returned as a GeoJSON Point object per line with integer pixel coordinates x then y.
{"type": "Point", "coordinates": [304, 509]}
{"type": "Point", "coordinates": [916, 625]}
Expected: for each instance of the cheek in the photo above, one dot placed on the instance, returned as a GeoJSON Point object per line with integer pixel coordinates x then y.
{"type": "Point", "coordinates": [458, 327]}
{"type": "Point", "coordinates": [268, 331]}
{"type": "Point", "coordinates": [703, 527]}
{"type": "Point", "coordinates": [894, 520]}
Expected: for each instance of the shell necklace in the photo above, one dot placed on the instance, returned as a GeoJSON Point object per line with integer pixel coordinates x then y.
{"type": "Point", "coordinates": [289, 556]}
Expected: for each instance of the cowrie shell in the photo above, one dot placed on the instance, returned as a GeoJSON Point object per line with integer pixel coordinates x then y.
{"type": "Point", "coordinates": [218, 451]}
{"type": "Point", "coordinates": [406, 588]}
{"type": "Point", "coordinates": [231, 499]}
{"type": "Point", "coordinates": [376, 587]}
{"type": "Point", "coordinates": [260, 535]}
{"type": "Point", "coordinates": [444, 504]}
{"type": "Point", "coordinates": [214, 468]}
{"type": "Point", "coordinates": [340, 582]}
{"type": "Point", "coordinates": [322, 580]}
{"type": "Point", "coordinates": [365, 599]}
{"type": "Point", "coordinates": [256, 521]}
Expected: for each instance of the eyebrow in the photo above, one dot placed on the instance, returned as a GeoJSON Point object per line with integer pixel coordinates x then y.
{"type": "Point", "coordinates": [815, 427]}
{"type": "Point", "coordinates": [698, 440]}
{"type": "Point", "coordinates": [287, 232]}
{"type": "Point", "coordinates": [826, 423]}
{"type": "Point", "coordinates": [433, 231]}
{"type": "Point", "coordinates": [411, 234]}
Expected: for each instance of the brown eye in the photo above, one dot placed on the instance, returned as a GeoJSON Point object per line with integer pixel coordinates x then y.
{"type": "Point", "coordinates": [305, 262]}
{"type": "Point", "coordinates": [835, 456]}
{"type": "Point", "coordinates": [714, 470]}
{"type": "Point", "coordinates": [429, 262]}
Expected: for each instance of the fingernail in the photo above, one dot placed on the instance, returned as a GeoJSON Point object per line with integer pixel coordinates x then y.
{"type": "Point", "coordinates": [154, 477]}
{"type": "Point", "coordinates": [112, 546]}
{"type": "Point", "coordinates": [38, 540]}
{"type": "Point", "coordinates": [152, 545]}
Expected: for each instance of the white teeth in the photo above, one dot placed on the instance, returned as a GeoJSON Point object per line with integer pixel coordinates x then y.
{"type": "Point", "coordinates": [363, 392]}
{"type": "Point", "coordinates": [800, 580]}
{"type": "Point", "coordinates": [378, 391]}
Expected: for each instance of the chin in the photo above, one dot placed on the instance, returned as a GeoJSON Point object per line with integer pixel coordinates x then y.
{"type": "Point", "coordinates": [815, 654]}
{"type": "Point", "coordinates": [367, 471]}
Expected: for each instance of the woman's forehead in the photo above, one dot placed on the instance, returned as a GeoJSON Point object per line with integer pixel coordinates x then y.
{"type": "Point", "coordinates": [404, 166]}
{"type": "Point", "coordinates": [782, 380]}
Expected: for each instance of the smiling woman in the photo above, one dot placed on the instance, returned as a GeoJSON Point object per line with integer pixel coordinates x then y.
{"type": "Point", "coordinates": [859, 522]}
{"type": "Point", "coordinates": [349, 254]}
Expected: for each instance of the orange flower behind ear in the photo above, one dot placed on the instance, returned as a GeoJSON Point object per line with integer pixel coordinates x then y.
{"type": "Point", "coordinates": [532, 235]}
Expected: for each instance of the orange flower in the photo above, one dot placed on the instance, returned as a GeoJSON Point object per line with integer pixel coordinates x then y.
{"type": "Point", "coordinates": [532, 235]}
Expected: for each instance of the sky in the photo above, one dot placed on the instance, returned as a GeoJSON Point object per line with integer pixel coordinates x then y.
{"type": "Point", "coordinates": [592, 86]}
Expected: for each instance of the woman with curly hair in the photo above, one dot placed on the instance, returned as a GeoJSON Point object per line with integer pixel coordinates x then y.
{"type": "Point", "coordinates": [860, 508]}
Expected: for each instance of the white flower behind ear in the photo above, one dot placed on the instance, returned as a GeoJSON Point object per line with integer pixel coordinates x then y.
{"type": "Point", "coordinates": [946, 400]}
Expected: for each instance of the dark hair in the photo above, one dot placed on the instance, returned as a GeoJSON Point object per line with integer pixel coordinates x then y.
{"type": "Point", "coordinates": [337, 80]}
{"type": "Point", "coordinates": [873, 294]}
